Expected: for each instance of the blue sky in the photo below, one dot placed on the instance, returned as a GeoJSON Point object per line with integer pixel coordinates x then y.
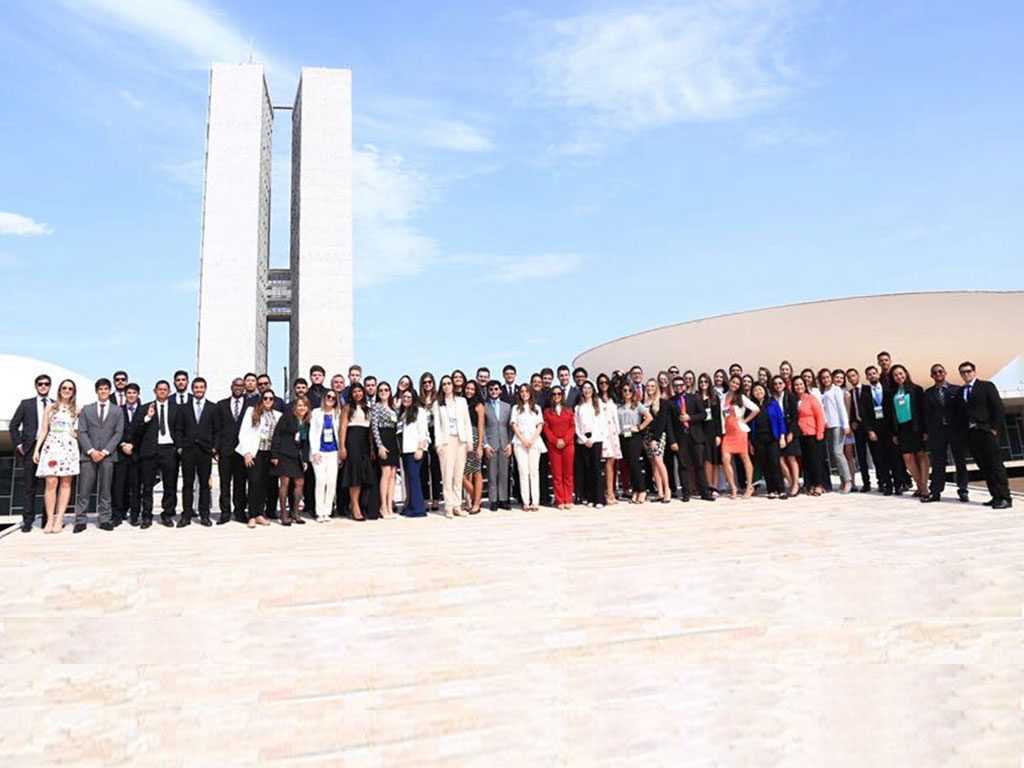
{"type": "Point", "coordinates": [531, 179]}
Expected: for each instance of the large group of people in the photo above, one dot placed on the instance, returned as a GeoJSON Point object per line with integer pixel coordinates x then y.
{"type": "Point", "coordinates": [357, 447]}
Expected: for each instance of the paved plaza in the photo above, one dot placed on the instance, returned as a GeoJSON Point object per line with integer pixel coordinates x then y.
{"type": "Point", "coordinates": [849, 630]}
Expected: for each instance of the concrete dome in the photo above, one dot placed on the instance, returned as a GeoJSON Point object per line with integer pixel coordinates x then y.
{"type": "Point", "coordinates": [918, 329]}
{"type": "Point", "coordinates": [16, 384]}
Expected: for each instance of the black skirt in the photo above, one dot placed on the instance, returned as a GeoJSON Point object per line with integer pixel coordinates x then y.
{"type": "Point", "coordinates": [793, 449]}
{"type": "Point", "coordinates": [389, 438]}
{"type": "Point", "coordinates": [286, 467]}
{"type": "Point", "coordinates": [910, 439]}
{"type": "Point", "coordinates": [358, 469]}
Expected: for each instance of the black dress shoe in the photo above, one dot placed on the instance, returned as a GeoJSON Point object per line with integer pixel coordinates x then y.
{"type": "Point", "coordinates": [707, 496]}
{"type": "Point", "coordinates": [146, 522]}
{"type": "Point", "coordinates": [685, 498]}
{"type": "Point", "coordinates": [106, 526]}
{"type": "Point", "coordinates": [167, 521]}
{"type": "Point", "coordinates": [183, 521]}
{"type": "Point", "coordinates": [506, 505]}
{"type": "Point", "coordinates": [134, 522]}
{"type": "Point", "coordinates": [223, 519]}
{"type": "Point", "coordinates": [930, 498]}
{"type": "Point", "coordinates": [205, 521]}
{"type": "Point", "coordinates": [79, 527]}
{"type": "Point", "coordinates": [991, 502]}
{"type": "Point", "coordinates": [494, 506]}
{"type": "Point", "coordinates": [1002, 504]}
{"type": "Point", "coordinates": [26, 526]}
{"type": "Point", "coordinates": [865, 489]}
{"type": "Point", "coordinates": [963, 496]}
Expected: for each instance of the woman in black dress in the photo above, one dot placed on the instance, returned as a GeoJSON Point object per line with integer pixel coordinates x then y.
{"type": "Point", "coordinates": [430, 467]}
{"type": "Point", "coordinates": [707, 398]}
{"type": "Point", "coordinates": [384, 422]}
{"type": "Point", "coordinates": [357, 474]}
{"type": "Point", "coordinates": [790, 450]}
{"type": "Point", "coordinates": [289, 452]}
{"type": "Point", "coordinates": [904, 406]}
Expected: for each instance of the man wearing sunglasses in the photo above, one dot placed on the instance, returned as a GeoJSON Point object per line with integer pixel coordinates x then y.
{"type": "Point", "coordinates": [119, 396]}
{"type": "Point", "coordinates": [25, 424]}
{"type": "Point", "coordinates": [985, 419]}
{"type": "Point", "coordinates": [944, 419]}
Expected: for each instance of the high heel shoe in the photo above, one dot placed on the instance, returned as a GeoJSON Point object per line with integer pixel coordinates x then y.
{"type": "Point", "coordinates": [748, 492]}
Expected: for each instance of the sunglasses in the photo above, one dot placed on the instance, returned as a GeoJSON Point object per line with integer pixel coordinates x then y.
{"type": "Point", "coordinates": [120, 378]}
{"type": "Point", "coordinates": [268, 399]}
{"type": "Point", "coordinates": [42, 383]}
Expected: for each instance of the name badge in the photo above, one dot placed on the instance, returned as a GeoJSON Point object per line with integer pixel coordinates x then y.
{"type": "Point", "coordinates": [901, 400]}
{"type": "Point", "coordinates": [298, 438]}
{"type": "Point", "coordinates": [58, 427]}
{"type": "Point", "coordinates": [328, 437]}
{"type": "Point", "coordinates": [453, 424]}
{"type": "Point", "coordinates": [627, 432]}
{"type": "Point", "coordinates": [878, 412]}
{"type": "Point", "coordinates": [707, 414]}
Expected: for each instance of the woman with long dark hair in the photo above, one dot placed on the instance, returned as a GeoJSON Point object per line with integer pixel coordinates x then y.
{"type": "Point", "coordinates": [289, 455]}
{"type": "Point", "coordinates": [357, 473]}
{"type": "Point", "coordinates": [454, 432]}
{"type": "Point", "coordinates": [384, 426]}
{"type": "Point", "coordinates": [768, 430]}
{"type": "Point", "coordinates": [415, 437]}
{"type": "Point", "coordinates": [707, 398]}
{"type": "Point", "coordinates": [811, 425]}
{"type": "Point", "coordinates": [255, 434]}
{"type": "Point", "coordinates": [430, 467]}
{"type": "Point", "coordinates": [458, 382]}
{"type": "Point", "coordinates": [472, 475]}
{"type": "Point", "coordinates": [633, 418]}
{"type": "Point", "coordinates": [737, 412]}
{"type": "Point", "coordinates": [324, 444]}
{"type": "Point", "coordinates": [527, 423]}
{"type": "Point", "coordinates": [789, 445]}
{"type": "Point", "coordinates": [611, 451]}
{"type": "Point", "coordinates": [905, 406]}
{"type": "Point", "coordinates": [590, 433]}
{"type": "Point", "coordinates": [560, 431]}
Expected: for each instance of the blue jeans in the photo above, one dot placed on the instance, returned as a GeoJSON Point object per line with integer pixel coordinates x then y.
{"type": "Point", "coordinates": [414, 506]}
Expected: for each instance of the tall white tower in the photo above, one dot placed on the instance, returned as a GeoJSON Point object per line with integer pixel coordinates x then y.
{"type": "Point", "coordinates": [238, 292]}
{"type": "Point", "coordinates": [235, 245]}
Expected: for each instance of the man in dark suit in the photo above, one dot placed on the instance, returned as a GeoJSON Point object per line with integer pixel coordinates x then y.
{"type": "Point", "coordinates": [946, 426]}
{"type": "Point", "coordinates": [252, 392]}
{"type": "Point", "coordinates": [231, 466]}
{"type": "Point", "coordinates": [985, 420]}
{"type": "Point", "coordinates": [509, 386]}
{"type": "Point", "coordinates": [263, 383]}
{"type": "Point", "coordinates": [126, 493]}
{"type": "Point", "coordinates": [686, 438]}
{"type": "Point", "coordinates": [119, 396]}
{"type": "Point", "coordinates": [154, 441]}
{"type": "Point", "coordinates": [315, 393]}
{"type": "Point", "coordinates": [24, 427]}
{"type": "Point", "coordinates": [195, 427]}
{"type": "Point", "coordinates": [181, 394]}
{"type": "Point", "coordinates": [878, 430]}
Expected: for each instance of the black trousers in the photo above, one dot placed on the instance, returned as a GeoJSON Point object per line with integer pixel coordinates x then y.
{"type": "Point", "coordinates": [195, 463]}
{"type": "Point", "coordinates": [231, 470]}
{"type": "Point", "coordinates": [261, 491]}
{"type": "Point", "coordinates": [670, 459]}
{"type": "Point", "coordinates": [986, 452]}
{"type": "Point", "coordinates": [165, 465]}
{"type": "Point", "coordinates": [632, 448]}
{"type": "Point", "coordinates": [309, 491]}
{"type": "Point", "coordinates": [578, 472]}
{"type": "Point", "coordinates": [430, 474]}
{"type": "Point", "coordinates": [860, 442]}
{"type": "Point", "coordinates": [768, 454]}
{"type": "Point", "coordinates": [593, 473]}
{"type": "Point", "coordinates": [341, 500]}
{"type": "Point", "coordinates": [939, 445]}
{"type": "Point", "coordinates": [30, 484]}
{"type": "Point", "coordinates": [810, 451]}
{"type": "Point", "coordinates": [692, 454]}
{"type": "Point", "coordinates": [126, 489]}
{"type": "Point", "coordinates": [545, 479]}
{"type": "Point", "coordinates": [883, 455]}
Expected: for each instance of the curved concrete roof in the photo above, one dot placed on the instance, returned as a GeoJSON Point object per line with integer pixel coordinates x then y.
{"type": "Point", "coordinates": [918, 329]}
{"type": "Point", "coordinates": [16, 384]}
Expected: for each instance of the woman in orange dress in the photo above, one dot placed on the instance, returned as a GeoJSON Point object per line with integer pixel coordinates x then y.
{"type": "Point", "coordinates": [737, 412]}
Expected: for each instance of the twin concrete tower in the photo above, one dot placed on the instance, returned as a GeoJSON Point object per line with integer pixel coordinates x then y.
{"type": "Point", "coordinates": [239, 294]}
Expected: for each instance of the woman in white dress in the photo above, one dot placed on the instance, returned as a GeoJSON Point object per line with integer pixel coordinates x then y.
{"type": "Point", "coordinates": [611, 451]}
{"type": "Point", "coordinates": [527, 422]}
{"type": "Point", "coordinates": [56, 454]}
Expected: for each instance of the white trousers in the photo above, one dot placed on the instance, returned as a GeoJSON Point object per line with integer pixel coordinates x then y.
{"type": "Point", "coordinates": [326, 474]}
{"type": "Point", "coordinates": [453, 464]}
{"type": "Point", "coordinates": [528, 462]}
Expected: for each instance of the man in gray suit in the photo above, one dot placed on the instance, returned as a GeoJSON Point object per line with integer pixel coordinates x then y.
{"type": "Point", "coordinates": [100, 428]}
{"type": "Point", "coordinates": [497, 445]}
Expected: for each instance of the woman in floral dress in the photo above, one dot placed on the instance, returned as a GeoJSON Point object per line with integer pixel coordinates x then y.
{"type": "Point", "coordinates": [56, 454]}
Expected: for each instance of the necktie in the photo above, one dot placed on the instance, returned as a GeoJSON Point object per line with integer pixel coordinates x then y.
{"type": "Point", "coordinates": [46, 401]}
{"type": "Point", "coordinates": [181, 399]}
{"type": "Point", "coordinates": [236, 409]}
{"type": "Point", "coordinates": [120, 398]}
{"type": "Point", "coordinates": [942, 396]}
{"type": "Point", "coordinates": [967, 391]}
{"type": "Point", "coordinates": [103, 412]}
{"type": "Point", "coordinates": [163, 421]}
{"type": "Point", "coordinates": [682, 410]}
{"type": "Point", "coordinates": [131, 414]}
{"type": "Point", "coordinates": [199, 410]}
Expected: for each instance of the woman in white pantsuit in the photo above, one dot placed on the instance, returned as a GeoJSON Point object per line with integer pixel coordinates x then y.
{"type": "Point", "coordinates": [453, 433]}
{"type": "Point", "coordinates": [324, 432]}
{"type": "Point", "coordinates": [527, 423]}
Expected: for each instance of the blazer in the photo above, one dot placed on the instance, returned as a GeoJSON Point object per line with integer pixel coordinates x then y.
{"type": "Point", "coordinates": [316, 428]}
{"type": "Point", "coordinates": [710, 427]}
{"type": "Point", "coordinates": [286, 443]}
{"type": "Point", "coordinates": [25, 424]}
{"type": "Point", "coordinates": [415, 433]}
{"type": "Point", "coordinates": [697, 418]}
{"type": "Point", "coordinates": [867, 411]}
{"type": "Point", "coordinates": [590, 423]}
{"type": "Point", "coordinates": [497, 430]}
{"type": "Point", "coordinates": [228, 426]}
{"type": "Point", "coordinates": [916, 409]}
{"type": "Point", "coordinates": [131, 422]}
{"type": "Point", "coordinates": [985, 408]}
{"type": "Point", "coordinates": [94, 435]}
{"type": "Point", "coordinates": [571, 396]}
{"type": "Point", "coordinates": [746, 404]}
{"type": "Point", "coordinates": [661, 423]}
{"type": "Point", "coordinates": [146, 433]}
{"type": "Point", "coordinates": [203, 433]}
{"type": "Point", "coordinates": [463, 424]}
{"type": "Point", "coordinates": [559, 426]}
{"type": "Point", "coordinates": [248, 435]}
{"type": "Point", "coordinates": [945, 415]}
{"type": "Point", "coordinates": [508, 397]}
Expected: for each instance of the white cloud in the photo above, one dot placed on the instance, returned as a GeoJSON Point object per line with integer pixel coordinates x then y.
{"type": "Point", "coordinates": [422, 123]}
{"type": "Point", "coordinates": [131, 100]}
{"type": "Point", "coordinates": [201, 33]}
{"type": "Point", "coordinates": [16, 224]}
{"type": "Point", "coordinates": [667, 64]}
{"type": "Point", "coordinates": [515, 269]}
{"type": "Point", "coordinates": [784, 135]}
{"type": "Point", "coordinates": [388, 195]}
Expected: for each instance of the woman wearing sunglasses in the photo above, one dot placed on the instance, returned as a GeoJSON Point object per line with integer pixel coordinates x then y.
{"type": "Point", "coordinates": [255, 436]}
